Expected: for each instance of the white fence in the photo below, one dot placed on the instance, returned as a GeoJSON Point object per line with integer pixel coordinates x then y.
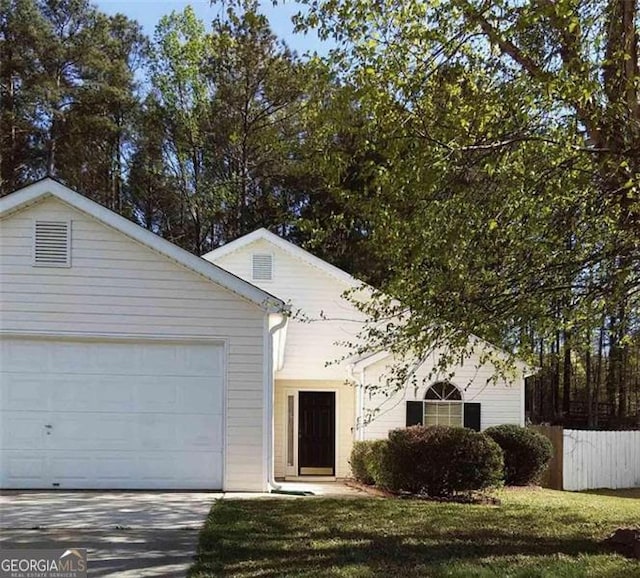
{"type": "Point", "coordinates": [601, 459]}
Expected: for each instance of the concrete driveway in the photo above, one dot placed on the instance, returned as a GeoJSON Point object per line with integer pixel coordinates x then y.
{"type": "Point", "coordinates": [126, 534]}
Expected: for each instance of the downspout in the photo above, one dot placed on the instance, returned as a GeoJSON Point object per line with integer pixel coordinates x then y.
{"type": "Point", "coordinates": [359, 401]}
{"type": "Point", "coordinates": [271, 482]}
{"type": "Point", "coordinates": [362, 403]}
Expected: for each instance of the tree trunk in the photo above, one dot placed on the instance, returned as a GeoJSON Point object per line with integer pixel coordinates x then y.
{"type": "Point", "coordinates": [588, 385]}
{"type": "Point", "coordinates": [612, 367]}
{"type": "Point", "coordinates": [542, 383]}
{"type": "Point", "coordinates": [622, 383]}
{"type": "Point", "coordinates": [566, 375]}
{"type": "Point", "coordinates": [8, 128]}
{"type": "Point", "coordinates": [598, 377]}
{"type": "Point", "coordinates": [556, 376]}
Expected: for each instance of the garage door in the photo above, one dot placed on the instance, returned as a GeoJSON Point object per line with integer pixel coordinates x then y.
{"type": "Point", "coordinates": [111, 414]}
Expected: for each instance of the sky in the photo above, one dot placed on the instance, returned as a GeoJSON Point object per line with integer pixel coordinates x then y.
{"type": "Point", "coordinates": [148, 12]}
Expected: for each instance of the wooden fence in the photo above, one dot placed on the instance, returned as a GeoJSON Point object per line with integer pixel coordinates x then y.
{"type": "Point", "coordinates": [601, 459]}
{"type": "Point", "coordinates": [552, 476]}
{"type": "Point", "coordinates": [586, 460]}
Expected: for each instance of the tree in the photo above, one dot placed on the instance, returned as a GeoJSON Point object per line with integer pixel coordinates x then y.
{"type": "Point", "coordinates": [507, 200]}
{"type": "Point", "coordinates": [67, 94]}
{"type": "Point", "coordinates": [231, 103]}
{"type": "Point", "coordinates": [94, 141]}
{"type": "Point", "coordinates": [336, 164]}
{"type": "Point", "coordinates": [150, 186]}
{"type": "Point", "coordinates": [20, 31]}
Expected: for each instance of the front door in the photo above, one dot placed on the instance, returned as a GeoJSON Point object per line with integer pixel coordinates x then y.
{"type": "Point", "coordinates": [316, 433]}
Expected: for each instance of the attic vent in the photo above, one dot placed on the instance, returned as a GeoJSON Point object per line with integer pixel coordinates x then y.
{"type": "Point", "coordinates": [262, 267]}
{"type": "Point", "coordinates": [52, 244]}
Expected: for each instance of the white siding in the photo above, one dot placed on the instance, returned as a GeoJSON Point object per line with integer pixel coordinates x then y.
{"type": "Point", "coordinates": [600, 459]}
{"type": "Point", "coordinates": [318, 296]}
{"type": "Point", "coordinates": [118, 286]}
{"type": "Point", "coordinates": [500, 403]}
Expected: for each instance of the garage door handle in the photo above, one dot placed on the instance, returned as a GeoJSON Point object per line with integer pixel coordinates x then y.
{"type": "Point", "coordinates": [48, 426]}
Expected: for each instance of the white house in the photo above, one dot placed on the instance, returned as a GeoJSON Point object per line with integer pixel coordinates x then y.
{"type": "Point", "coordinates": [314, 441]}
{"type": "Point", "coordinates": [127, 362]}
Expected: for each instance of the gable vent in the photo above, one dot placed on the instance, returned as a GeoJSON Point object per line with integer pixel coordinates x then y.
{"type": "Point", "coordinates": [262, 267]}
{"type": "Point", "coordinates": [52, 244]}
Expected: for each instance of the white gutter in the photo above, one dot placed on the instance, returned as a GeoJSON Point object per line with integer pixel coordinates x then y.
{"type": "Point", "coordinates": [269, 402]}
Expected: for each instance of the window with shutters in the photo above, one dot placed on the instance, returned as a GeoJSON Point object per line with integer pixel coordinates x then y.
{"type": "Point", "coordinates": [443, 405]}
{"type": "Point", "coordinates": [262, 267]}
{"type": "Point", "coordinates": [52, 244]}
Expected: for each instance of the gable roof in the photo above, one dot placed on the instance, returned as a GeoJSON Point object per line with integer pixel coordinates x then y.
{"type": "Point", "coordinates": [371, 358]}
{"type": "Point", "coordinates": [287, 247]}
{"type": "Point", "coordinates": [50, 188]}
{"type": "Point", "coordinates": [357, 363]}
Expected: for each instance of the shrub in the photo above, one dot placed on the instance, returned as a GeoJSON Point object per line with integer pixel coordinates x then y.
{"type": "Point", "coordinates": [526, 453]}
{"type": "Point", "coordinates": [377, 462]}
{"type": "Point", "coordinates": [440, 461]}
{"type": "Point", "coordinates": [358, 461]}
{"type": "Point", "coordinates": [367, 461]}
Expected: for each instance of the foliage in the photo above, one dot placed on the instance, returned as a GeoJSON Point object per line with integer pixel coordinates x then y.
{"type": "Point", "coordinates": [369, 462]}
{"type": "Point", "coordinates": [439, 461]}
{"type": "Point", "coordinates": [526, 453]}
{"type": "Point", "coordinates": [230, 103]}
{"type": "Point", "coordinates": [378, 463]}
{"type": "Point", "coordinates": [533, 534]}
{"type": "Point", "coordinates": [197, 134]}
{"type": "Point", "coordinates": [473, 160]}
{"type": "Point", "coordinates": [502, 183]}
{"type": "Point", "coordinates": [359, 461]}
{"type": "Point", "coordinates": [67, 95]}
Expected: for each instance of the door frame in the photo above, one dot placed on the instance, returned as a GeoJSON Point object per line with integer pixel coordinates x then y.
{"type": "Point", "coordinates": [291, 470]}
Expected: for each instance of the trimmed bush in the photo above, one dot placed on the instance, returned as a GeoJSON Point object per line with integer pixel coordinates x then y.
{"type": "Point", "coordinates": [378, 462]}
{"type": "Point", "coordinates": [367, 461]}
{"type": "Point", "coordinates": [526, 453]}
{"type": "Point", "coordinates": [440, 461]}
{"type": "Point", "coordinates": [358, 462]}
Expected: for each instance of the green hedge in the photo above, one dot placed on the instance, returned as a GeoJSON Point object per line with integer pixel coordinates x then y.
{"type": "Point", "coordinates": [526, 453]}
{"type": "Point", "coordinates": [367, 460]}
{"type": "Point", "coordinates": [437, 460]}
{"type": "Point", "coordinates": [360, 456]}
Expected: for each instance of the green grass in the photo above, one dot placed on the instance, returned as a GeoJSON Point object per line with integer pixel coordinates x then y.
{"type": "Point", "coordinates": [540, 533]}
{"type": "Point", "coordinates": [630, 493]}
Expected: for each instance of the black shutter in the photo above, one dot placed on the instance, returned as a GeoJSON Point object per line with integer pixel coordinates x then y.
{"type": "Point", "coordinates": [414, 413]}
{"type": "Point", "coordinates": [472, 416]}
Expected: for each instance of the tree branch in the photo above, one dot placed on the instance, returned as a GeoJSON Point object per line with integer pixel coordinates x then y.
{"type": "Point", "coordinates": [569, 53]}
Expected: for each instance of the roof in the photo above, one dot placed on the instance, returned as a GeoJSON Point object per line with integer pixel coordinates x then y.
{"type": "Point", "coordinates": [371, 358]}
{"type": "Point", "coordinates": [48, 187]}
{"type": "Point", "coordinates": [358, 363]}
{"type": "Point", "coordinates": [264, 234]}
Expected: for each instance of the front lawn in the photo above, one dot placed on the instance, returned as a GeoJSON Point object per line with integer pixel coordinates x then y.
{"type": "Point", "coordinates": [534, 533]}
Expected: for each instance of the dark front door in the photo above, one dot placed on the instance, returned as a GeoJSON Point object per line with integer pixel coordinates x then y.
{"type": "Point", "coordinates": [316, 433]}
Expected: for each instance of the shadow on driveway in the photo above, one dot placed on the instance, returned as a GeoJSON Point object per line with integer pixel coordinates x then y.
{"type": "Point", "coordinates": [126, 534]}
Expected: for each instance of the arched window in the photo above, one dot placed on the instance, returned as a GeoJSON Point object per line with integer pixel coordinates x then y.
{"type": "Point", "coordinates": [443, 405]}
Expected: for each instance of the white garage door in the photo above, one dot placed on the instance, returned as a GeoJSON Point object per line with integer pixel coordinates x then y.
{"type": "Point", "coordinates": [111, 414]}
